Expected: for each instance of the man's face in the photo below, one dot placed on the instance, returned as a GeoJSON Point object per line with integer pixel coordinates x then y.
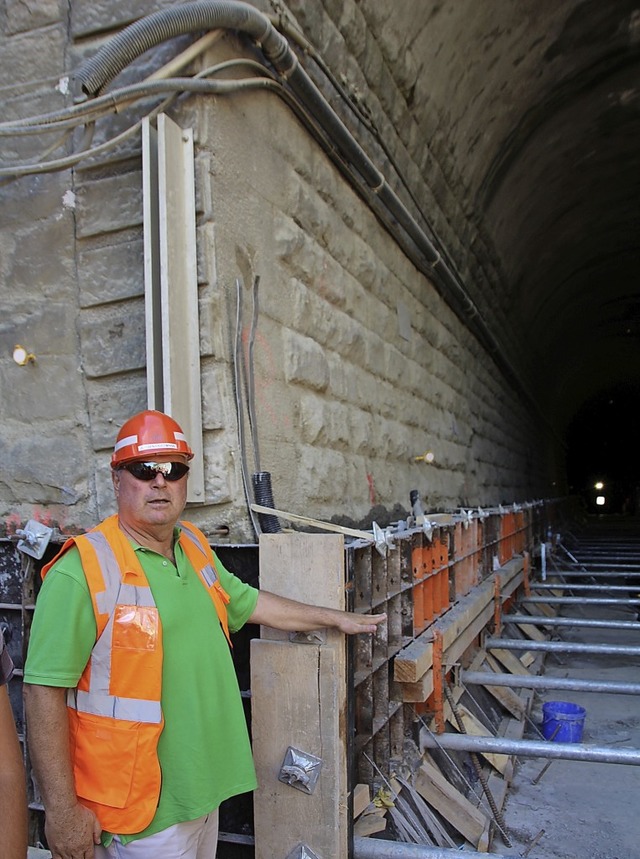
{"type": "Point", "coordinates": [147, 504]}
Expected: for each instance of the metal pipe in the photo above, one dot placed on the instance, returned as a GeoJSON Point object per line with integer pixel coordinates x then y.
{"type": "Point", "coordinates": [530, 748]}
{"type": "Point", "coordinates": [560, 646]}
{"type": "Point", "coordinates": [580, 600]}
{"type": "Point", "coordinates": [542, 681]}
{"type": "Point", "coordinates": [596, 574]}
{"type": "Point", "coordinates": [543, 620]}
{"type": "Point", "coordinates": [377, 848]}
{"type": "Point", "coordinates": [603, 587]}
{"type": "Point", "coordinates": [609, 564]}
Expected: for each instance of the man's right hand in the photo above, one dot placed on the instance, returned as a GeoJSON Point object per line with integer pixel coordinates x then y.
{"type": "Point", "coordinates": [72, 833]}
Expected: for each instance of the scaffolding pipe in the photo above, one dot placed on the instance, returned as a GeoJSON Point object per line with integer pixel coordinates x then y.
{"type": "Point", "coordinates": [594, 573]}
{"type": "Point", "coordinates": [529, 748]}
{"type": "Point", "coordinates": [560, 646]}
{"type": "Point", "coordinates": [634, 568]}
{"type": "Point", "coordinates": [603, 587]}
{"type": "Point", "coordinates": [491, 678]}
{"type": "Point", "coordinates": [377, 848]}
{"type": "Point", "coordinates": [543, 620]}
{"type": "Point", "coordinates": [580, 600]}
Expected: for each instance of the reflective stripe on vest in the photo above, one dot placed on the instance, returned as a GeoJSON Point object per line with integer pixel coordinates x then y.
{"type": "Point", "coordinates": [94, 696]}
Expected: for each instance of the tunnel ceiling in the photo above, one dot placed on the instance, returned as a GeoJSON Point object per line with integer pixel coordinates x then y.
{"type": "Point", "coordinates": [532, 111]}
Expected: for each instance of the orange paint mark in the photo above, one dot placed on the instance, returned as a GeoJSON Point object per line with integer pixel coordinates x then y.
{"type": "Point", "coordinates": [372, 488]}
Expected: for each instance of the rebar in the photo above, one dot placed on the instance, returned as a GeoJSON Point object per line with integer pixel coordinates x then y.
{"type": "Point", "coordinates": [497, 814]}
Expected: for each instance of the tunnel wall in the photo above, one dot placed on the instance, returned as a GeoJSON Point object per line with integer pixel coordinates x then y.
{"type": "Point", "coordinates": [360, 365]}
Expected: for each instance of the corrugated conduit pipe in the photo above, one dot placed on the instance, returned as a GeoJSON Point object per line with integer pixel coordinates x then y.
{"type": "Point", "coordinates": [139, 37]}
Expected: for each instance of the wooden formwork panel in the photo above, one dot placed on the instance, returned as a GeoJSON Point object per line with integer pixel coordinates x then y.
{"type": "Point", "coordinates": [299, 700]}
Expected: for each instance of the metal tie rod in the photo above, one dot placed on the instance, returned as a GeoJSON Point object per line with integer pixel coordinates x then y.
{"type": "Point", "coordinates": [580, 600]}
{"type": "Point", "coordinates": [543, 620]}
{"type": "Point", "coordinates": [377, 848]}
{"type": "Point", "coordinates": [533, 681]}
{"type": "Point", "coordinates": [560, 646]}
{"type": "Point", "coordinates": [530, 748]}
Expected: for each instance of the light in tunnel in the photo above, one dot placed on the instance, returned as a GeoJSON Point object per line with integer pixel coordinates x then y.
{"type": "Point", "coordinates": [601, 500]}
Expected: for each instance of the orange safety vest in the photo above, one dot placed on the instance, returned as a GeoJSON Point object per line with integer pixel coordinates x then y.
{"type": "Point", "coordinates": [115, 715]}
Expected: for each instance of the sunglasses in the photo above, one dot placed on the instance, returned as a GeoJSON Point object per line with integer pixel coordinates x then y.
{"type": "Point", "coordinates": [171, 471]}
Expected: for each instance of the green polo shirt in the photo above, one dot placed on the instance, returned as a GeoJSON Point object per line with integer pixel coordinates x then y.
{"type": "Point", "coordinates": [204, 748]}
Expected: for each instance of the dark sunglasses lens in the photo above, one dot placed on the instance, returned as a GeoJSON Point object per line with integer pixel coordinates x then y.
{"type": "Point", "coordinates": [149, 470]}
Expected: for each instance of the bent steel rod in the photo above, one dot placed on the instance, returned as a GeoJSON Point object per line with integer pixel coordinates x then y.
{"type": "Point", "coordinates": [560, 646]}
{"type": "Point", "coordinates": [530, 748]}
{"type": "Point", "coordinates": [580, 600]}
{"type": "Point", "coordinates": [543, 620]}
{"type": "Point", "coordinates": [542, 681]}
{"type": "Point", "coordinates": [377, 848]}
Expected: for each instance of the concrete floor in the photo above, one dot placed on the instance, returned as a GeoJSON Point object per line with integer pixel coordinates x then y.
{"type": "Point", "coordinates": [579, 809]}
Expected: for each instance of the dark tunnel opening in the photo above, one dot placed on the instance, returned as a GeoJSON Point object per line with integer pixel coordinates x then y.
{"type": "Point", "coordinates": [603, 448]}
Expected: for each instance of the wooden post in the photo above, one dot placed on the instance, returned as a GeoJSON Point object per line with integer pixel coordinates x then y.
{"type": "Point", "coordinates": [298, 700]}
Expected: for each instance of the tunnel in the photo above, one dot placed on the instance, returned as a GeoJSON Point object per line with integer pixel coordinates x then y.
{"type": "Point", "coordinates": [535, 110]}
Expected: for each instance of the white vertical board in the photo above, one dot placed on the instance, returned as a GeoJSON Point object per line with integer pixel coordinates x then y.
{"type": "Point", "coordinates": [171, 285]}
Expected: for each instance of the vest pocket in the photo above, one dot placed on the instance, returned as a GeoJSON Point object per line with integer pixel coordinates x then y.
{"type": "Point", "coordinates": [97, 744]}
{"type": "Point", "coordinates": [136, 627]}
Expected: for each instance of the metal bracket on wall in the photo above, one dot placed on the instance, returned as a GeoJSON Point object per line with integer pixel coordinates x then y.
{"type": "Point", "coordinates": [34, 538]}
{"type": "Point", "coordinates": [300, 770]}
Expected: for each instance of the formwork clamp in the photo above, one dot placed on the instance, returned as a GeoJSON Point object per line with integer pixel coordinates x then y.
{"type": "Point", "coordinates": [383, 539]}
{"type": "Point", "coordinates": [34, 538]}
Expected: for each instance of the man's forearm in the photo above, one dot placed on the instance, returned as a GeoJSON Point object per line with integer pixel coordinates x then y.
{"type": "Point", "coordinates": [71, 828]}
{"type": "Point", "coordinates": [48, 727]}
{"type": "Point", "coordinates": [13, 792]}
{"type": "Point", "coordinates": [293, 616]}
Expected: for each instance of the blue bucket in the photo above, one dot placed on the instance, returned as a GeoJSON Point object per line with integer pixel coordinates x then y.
{"type": "Point", "coordinates": [562, 722]}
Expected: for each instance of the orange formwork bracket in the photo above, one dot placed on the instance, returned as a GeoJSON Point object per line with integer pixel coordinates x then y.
{"type": "Point", "coordinates": [438, 681]}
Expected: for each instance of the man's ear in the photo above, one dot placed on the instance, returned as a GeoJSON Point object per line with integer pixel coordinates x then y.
{"type": "Point", "coordinates": [115, 479]}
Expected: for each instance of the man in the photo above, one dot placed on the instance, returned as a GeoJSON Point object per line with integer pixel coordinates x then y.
{"type": "Point", "coordinates": [13, 792]}
{"type": "Point", "coordinates": [136, 726]}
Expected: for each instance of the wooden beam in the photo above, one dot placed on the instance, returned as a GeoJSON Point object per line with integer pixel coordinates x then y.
{"type": "Point", "coordinates": [298, 700]}
{"type": "Point", "coordinates": [473, 611]}
{"type": "Point", "coordinates": [466, 819]}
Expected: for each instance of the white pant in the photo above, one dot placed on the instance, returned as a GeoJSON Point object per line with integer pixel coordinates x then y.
{"type": "Point", "coordinates": [194, 839]}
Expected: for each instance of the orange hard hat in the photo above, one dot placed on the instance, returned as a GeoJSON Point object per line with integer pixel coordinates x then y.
{"type": "Point", "coordinates": [149, 434]}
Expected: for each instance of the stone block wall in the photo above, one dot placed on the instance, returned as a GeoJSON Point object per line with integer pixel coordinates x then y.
{"type": "Point", "coordinates": [359, 364]}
